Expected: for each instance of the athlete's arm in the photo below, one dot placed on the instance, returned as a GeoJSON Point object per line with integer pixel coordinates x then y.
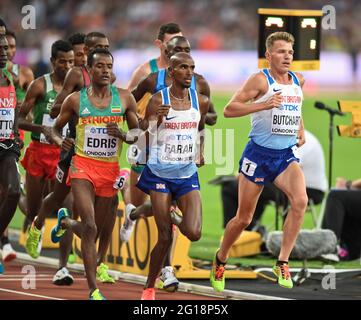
{"type": "Point", "coordinates": [139, 73]}
{"type": "Point", "coordinates": [301, 137]}
{"type": "Point", "coordinates": [204, 109]}
{"type": "Point", "coordinates": [69, 107]}
{"type": "Point", "coordinates": [154, 114]}
{"type": "Point", "coordinates": [26, 77]}
{"type": "Point", "coordinates": [144, 86]}
{"type": "Point", "coordinates": [73, 82]}
{"type": "Point", "coordinates": [203, 88]}
{"type": "Point", "coordinates": [33, 94]}
{"type": "Point", "coordinates": [255, 87]}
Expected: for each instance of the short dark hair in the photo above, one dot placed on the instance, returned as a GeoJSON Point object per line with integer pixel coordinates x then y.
{"type": "Point", "coordinates": [77, 38]}
{"type": "Point", "coordinates": [92, 53]}
{"type": "Point", "coordinates": [10, 33]}
{"type": "Point", "coordinates": [60, 45]}
{"type": "Point", "coordinates": [2, 23]}
{"type": "Point", "coordinates": [170, 28]}
{"type": "Point", "coordinates": [89, 37]}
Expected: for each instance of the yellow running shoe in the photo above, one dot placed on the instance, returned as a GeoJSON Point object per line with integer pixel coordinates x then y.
{"type": "Point", "coordinates": [103, 275]}
{"type": "Point", "coordinates": [283, 275]}
{"type": "Point", "coordinates": [32, 241]}
{"type": "Point", "coordinates": [217, 277]}
{"type": "Point", "coordinates": [96, 295]}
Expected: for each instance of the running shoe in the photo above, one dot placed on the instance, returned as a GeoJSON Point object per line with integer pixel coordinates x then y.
{"type": "Point", "coordinates": [283, 275]}
{"type": "Point", "coordinates": [1, 268]}
{"type": "Point", "coordinates": [128, 225]}
{"type": "Point", "coordinates": [148, 294]}
{"type": "Point", "coordinates": [72, 258]}
{"type": "Point", "coordinates": [58, 232]}
{"type": "Point", "coordinates": [217, 277]}
{"type": "Point", "coordinates": [175, 217]}
{"type": "Point", "coordinates": [32, 242]}
{"type": "Point", "coordinates": [63, 278]}
{"type": "Point", "coordinates": [169, 280]}
{"type": "Point", "coordinates": [103, 275]}
{"type": "Point", "coordinates": [8, 253]}
{"type": "Point", "coordinates": [96, 295]}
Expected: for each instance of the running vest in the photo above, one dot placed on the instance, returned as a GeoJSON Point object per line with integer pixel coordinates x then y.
{"type": "Point", "coordinates": [277, 128]}
{"type": "Point", "coordinates": [42, 109]}
{"type": "Point", "coordinates": [172, 154]}
{"type": "Point", "coordinates": [72, 121]}
{"type": "Point", "coordinates": [7, 108]}
{"type": "Point", "coordinates": [20, 93]}
{"type": "Point", "coordinates": [142, 103]}
{"type": "Point", "coordinates": [92, 140]}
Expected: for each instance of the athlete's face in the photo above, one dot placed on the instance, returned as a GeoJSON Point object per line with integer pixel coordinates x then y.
{"type": "Point", "coordinates": [4, 47]}
{"type": "Point", "coordinates": [280, 56]}
{"type": "Point", "coordinates": [162, 45]}
{"type": "Point", "coordinates": [101, 69]}
{"type": "Point", "coordinates": [63, 62]}
{"type": "Point", "coordinates": [79, 55]}
{"type": "Point", "coordinates": [182, 72]}
{"type": "Point", "coordinates": [178, 46]}
{"type": "Point", "coordinates": [12, 47]}
{"type": "Point", "coordinates": [96, 42]}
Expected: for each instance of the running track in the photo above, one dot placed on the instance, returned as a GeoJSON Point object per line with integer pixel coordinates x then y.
{"type": "Point", "coordinates": [11, 287]}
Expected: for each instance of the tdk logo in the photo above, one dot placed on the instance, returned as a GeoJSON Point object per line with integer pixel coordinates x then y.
{"type": "Point", "coordinates": [96, 130]}
{"type": "Point", "coordinates": [289, 107]}
{"type": "Point", "coordinates": [5, 112]}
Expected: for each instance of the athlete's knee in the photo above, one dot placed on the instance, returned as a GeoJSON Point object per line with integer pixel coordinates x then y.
{"type": "Point", "coordinates": [193, 234]}
{"type": "Point", "coordinates": [90, 229]}
{"type": "Point", "coordinates": [299, 204]}
{"type": "Point", "coordinates": [13, 190]}
{"type": "Point", "coordinates": [242, 221]}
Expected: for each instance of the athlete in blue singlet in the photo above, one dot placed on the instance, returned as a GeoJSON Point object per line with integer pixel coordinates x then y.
{"type": "Point", "coordinates": [274, 99]}
{"type": "Point", "coordinates": [174, 115]}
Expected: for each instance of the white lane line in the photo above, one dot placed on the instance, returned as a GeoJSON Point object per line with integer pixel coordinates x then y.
{"type": "Point", "coordinates": [30, 294]}
{"type": "Point", "coordinates": [36, 279]}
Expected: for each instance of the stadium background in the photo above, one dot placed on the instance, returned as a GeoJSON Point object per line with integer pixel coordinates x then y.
{"type": "Point", "coordinates": [223, 37]}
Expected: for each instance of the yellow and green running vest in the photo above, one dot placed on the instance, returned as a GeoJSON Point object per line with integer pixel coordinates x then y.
{"type": "Point", "coordinates": [92, 140]}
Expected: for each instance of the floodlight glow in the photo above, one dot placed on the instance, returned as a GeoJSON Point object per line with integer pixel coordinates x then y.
{"type": "Point", "coordinates": [308, 22]}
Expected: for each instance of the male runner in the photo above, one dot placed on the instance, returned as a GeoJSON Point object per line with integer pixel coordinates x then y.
{"type": "Point", "coordinates": [171, 172]}
{"type": "Point", "coordinates": [77, 40]}
{"type": "Point", "coordinates": [274, 99]}
{"type": "Point", "coordinates": [77, 78]}
{"type": "Point", "coordinates": [9, 143]}
{"type": "Point", "coordinates": [99, 110]}
{"type": "Point", "coordinates": [41, 158]}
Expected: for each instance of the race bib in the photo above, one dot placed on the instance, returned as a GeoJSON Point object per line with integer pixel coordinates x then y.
{"type": "Point", "coordinates": [98, 144]}
{"type": "Point", "coordinates": [248, 167]}
{"type": "Point", "coordinates": [7, 116]}
{"type": "Point", "coordinates": [121, 179]}
{"type": "Point", "coordinates": [134, 154]}
{"type": "Point", "coordinates": [286, 122]}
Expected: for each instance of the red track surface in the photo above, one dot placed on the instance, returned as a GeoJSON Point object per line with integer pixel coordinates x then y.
{"type": "Point", "coordinates": [11, 287]}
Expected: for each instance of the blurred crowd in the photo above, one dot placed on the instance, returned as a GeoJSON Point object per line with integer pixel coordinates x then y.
{"type": "Point", "coordinates": [209, 25]}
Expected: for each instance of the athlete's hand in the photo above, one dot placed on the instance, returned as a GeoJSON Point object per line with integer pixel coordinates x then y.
{"type": "Point", "coordinates": [301, 138]}
{"type": "Point", "coordinates": [273, 102]}
{"type": "Point", "coordinates": [162, 111]}
{"type": "Point", "coordinates": [201, 161]}
{"type": "Point", "coordinates": [67, 144]}
{"type": "Point", "coordinates": [47, 132]}
{"type": "Point", "coordinates": [19, 142]}
{"type": "Point", "coordinates": [114, 131]}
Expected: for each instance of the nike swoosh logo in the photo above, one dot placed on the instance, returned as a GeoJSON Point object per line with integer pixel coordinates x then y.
{"type": "Point", "coordinates": [276, 90]}
{"type": "Point", "coordinates": [170, 118]}
{"type": "Point", "coordinates": [194, 186]}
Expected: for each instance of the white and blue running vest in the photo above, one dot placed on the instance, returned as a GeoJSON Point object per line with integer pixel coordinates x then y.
{"type": "Point", "coordinates": [277, 128]}
{"type": "Point", "coordinates": [172, 153]}
{"type": "Point", "coordinates": [162, 83]}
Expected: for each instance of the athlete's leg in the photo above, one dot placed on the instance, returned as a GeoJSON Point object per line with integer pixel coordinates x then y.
{"type": "Point", "coordinates": [191, 207]}
{"type": "Point", "coordinates": [292, 183]}
{"type": "Point", "coordinates": [248, 194]}
{"type": "Point", "coordinates": [161, 203]}
{"type": "Point", "coordinates": [65, 243]}
{"type": "Point", "coordinates": [10, 186]}
{"type": "Point", "coordinates": [34, 195]}
{"type": "Point", "coordinates": [83, 192]}
{"type": "Point", "coordinates": [137, 197]}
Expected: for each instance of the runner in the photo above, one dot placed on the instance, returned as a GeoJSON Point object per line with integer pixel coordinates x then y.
{"type": "Point", "coordinates": [171, 172]}
{"type": "Point", "coordinates": [274, 99]}
{"type": "Point", "coordinates": [99, 110]}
